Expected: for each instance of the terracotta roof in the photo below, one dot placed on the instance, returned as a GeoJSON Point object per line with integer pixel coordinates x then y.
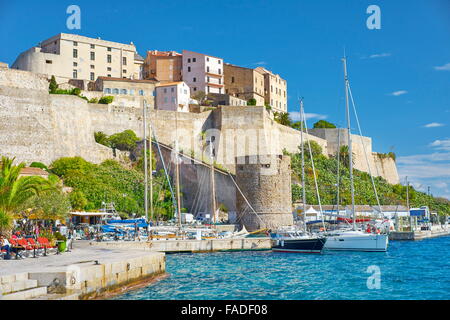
{"type": "Point", "coordinates": [33, 172]}
{"type": "Point", "coordinates": [164, 53]}
{"type": "Point", "coordinates": [168, 84]}
{"type": "Point", "coordinates": [126, 80]}
{"type": "Point", "coordinates": [206, 55]}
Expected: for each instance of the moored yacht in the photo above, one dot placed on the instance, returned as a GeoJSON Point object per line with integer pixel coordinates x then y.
{"type": "Point", "coordinates": [355, 240]}
{"type": "Point", "coordinates": [297, 241]}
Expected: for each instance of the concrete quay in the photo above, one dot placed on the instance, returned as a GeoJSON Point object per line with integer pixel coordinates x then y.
{"type": "Point", "coordinates": [86, 272]}
{"type": "Point", "coordinates": [174, 246]}
{"type": "Point", "coordinates": [436, 231]}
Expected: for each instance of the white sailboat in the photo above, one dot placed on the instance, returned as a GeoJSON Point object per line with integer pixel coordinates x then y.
{"type": "Point", "coordinates": [353, 239]}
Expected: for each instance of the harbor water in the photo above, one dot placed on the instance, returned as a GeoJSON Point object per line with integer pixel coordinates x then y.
{"type": "Point", "coordinates": [409, 270]}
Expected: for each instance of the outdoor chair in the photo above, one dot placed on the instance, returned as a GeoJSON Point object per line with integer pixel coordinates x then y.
{"type": "Point", "coordinates": [26, 246]}
{"type": "Point", "coordinates": [37, 248]}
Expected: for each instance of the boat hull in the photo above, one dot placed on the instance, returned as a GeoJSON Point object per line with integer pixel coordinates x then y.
{"type": "Point", "coordinates": [362, 242]}
{"type": "Point", "coordinates": [299, 245]}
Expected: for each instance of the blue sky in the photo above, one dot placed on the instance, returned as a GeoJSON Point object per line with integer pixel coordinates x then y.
{"type": "Point", "coordinates": [400, 74]}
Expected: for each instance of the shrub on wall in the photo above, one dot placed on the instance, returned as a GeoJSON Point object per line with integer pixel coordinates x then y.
{"type": "Point", "coordinates": [106, 100]}
{"type": "Point", "coordinates": [251, 102]}
{"type": "Point", "coordinates": [38, 165]}
{"type": "Point", "coordinates": [323, 124]}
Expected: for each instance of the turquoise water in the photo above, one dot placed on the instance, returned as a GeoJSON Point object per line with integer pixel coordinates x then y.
{"type": "Point", "coordinates": [409, 270]}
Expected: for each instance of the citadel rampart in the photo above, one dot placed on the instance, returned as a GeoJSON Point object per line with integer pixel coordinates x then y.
{"type": "Point", "coordinates": [37, 126]}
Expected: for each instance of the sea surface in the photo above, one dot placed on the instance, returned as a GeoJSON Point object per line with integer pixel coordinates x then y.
{"type": "Point", "coordinates": [409, 270]}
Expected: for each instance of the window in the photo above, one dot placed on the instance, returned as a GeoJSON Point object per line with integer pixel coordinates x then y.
{"type": "Point", "coordinates": [195, 88]}
{"type": "Point", "coordinates": [109, 76]}
{"type": "Point", "coordinates": [109, 49]}
{"type": "Point", "coordinates": [109, 58]}
{"type": "Point", "coordinates": [189, 69]}
{"type": "Point", "coordinates": [185, 91]}
{"type": "Point", "coordinates": [173, 100]}
{"type": "Point", "coordinates": [75, 74]}
{"type": "Point", "coordinates": [207, 79]}
{"type": "Point", "coordinates": [220, 81]}
{"type": "Point", "coordinates": [92, 66]}
{"type": "Point", "coordinates": [271, 89]}
{"type": "Point", "coordinates": [208, 89]}
{"type": "Point", "coordinates": [124, 61]}
{"type": "Point", "coordinates": [115, 91]}
{"type": "Point", "coordinates": [207, 69]}
{"type": "Point", "coordinates": [141, 92]}
{"type": "Point", "coordinates": [165, 100]}
{"type": "Point", "coordinates": [194, 59]}
{"type": "Point", "coordinates": [189, 60]}
{"type": "Point", "coordinates": [220, 71]}
{"type": "Point", "coordinates": [109, 68]}
{"type": "Point", "coordinates": [124, 71]}
{"type": "Point", "coordinates": [165, 90]}
{"type": "Point", "coordinates": [92, 55]}
{"type": "Point", "coordinates": [92, 46]}
{"type": "Point", "coordinates": [92, 76]}
{"type": "Point", "coordinates": [75, 64]}
{"type": "Point", "coordinates": [132, 92]}
{"type": "Point", "coordinates": [207, 58]}
{"type": "Point", "coordinates": [219, 61]}
{"type": "Point", "coordinates": [194, 79]}
{"type": "Point", "coordinates": [172, 89]}
{"type": "Point", "coordinates": [107, 90]}
{"type": "Point", "coordinates": [123, 91]}
{"type": "Point", "coordinates": [232, 79]}
{"type": "Point", "coordinates": [75, 43]}
{"type": "Point", "coordinates": [75, 53]}
{"type": "Point", "coordinates": [48, 61]}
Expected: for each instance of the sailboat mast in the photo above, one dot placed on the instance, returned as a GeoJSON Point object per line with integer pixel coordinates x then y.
{"type": "Point", "coordinates": [145, 162]}
{"type": "Point", "coordinates": [350, 153]}
{"type": "Point", "coordinates": [338, 171]}
{"type": "Point", "coordinates": [213, 182]}
{"type": "Point", "coordinates": [177, 171]}
{"type": "Point", "coordinates": [303, 165]}
{"type": "Point", "coordinates": [151, 174]}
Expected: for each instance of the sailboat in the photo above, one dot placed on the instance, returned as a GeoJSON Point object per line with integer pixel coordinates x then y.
{"type": "Point", "coordinates": [292, 239]}
{"type": "Point", "coordinates": [353, 239]}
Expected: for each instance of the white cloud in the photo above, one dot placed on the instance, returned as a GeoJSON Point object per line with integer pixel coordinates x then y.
{"type": "Point", "coordinates": [441, 144]}
{"type": "Point", "coordinates": [295, 116]}
{"type": "Point", "coordinates": [260, 63]}
{"type": "Point", "coordinates": [445, 67]}
{"type": "Point", "coordinates": [434, 125]}
{"type": "Point", "coordinates": [398, 93]}
{"type": "Point", "coordinates": [379, 55]}
{"type": "Point", "coordinates": [425, 170]}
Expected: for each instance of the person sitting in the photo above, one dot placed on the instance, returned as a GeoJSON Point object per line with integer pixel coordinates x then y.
{"type": "Point", "coordinates": [5, 246]}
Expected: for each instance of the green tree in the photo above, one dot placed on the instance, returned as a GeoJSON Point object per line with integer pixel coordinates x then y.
{"type": "Point", "coordinates": [344, 156]}
{"type": "Point", "coordinates": [125, 141]}
{"type": "Point", "coordinates": [63, 166]}
{"type": "Point", "coordinates": [77, 200]}
{"type": "Point", "coordinates": [15, 190]}
{"type": "Point", "coordinates": [38, 165]}
{"type": "Point", "coordinates": [53, 85]}
{"type": "Point", "coordinates": [323, 124]}
{"type": "Point", "coordinates": [102, 138]}
{"type": "Point", "coordinates": [201, 97]}
{"type": "Point", "coordinates": [316, 149]}
{"type": "Point", "coordinates": [283, 118]}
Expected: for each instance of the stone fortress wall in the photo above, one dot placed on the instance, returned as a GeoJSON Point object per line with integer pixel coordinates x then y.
{"type": "Point", "coordinates": [37, 126]}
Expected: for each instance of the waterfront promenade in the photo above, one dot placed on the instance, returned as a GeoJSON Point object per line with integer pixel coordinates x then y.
{"type": "Point", "coordinates": [84, 272]}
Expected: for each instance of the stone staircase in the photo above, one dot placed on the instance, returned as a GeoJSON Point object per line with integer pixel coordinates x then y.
{"type": "Point", "coordinates": [19, 287]}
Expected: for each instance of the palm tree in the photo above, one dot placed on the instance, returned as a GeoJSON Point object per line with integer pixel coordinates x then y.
{"type": "Point", "coordinates": [15, 190]}
{"type": "Point", "coordinates": [344, 156]}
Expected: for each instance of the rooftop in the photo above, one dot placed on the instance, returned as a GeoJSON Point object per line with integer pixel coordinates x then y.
{"type": "Point", "coordinates": [126, 80]}
{"type": "Point", "coordinates": [33, 172]}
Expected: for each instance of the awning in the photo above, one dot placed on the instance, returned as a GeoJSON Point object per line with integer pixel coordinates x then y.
{"type": "Point", "coordinates": [87, 214]}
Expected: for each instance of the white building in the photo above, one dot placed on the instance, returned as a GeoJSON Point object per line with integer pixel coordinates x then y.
{"type": "Point", "coordinates": [173, 96]}
{"type": "Point", "coordinates": [203, 73]}
{"type": "Point", "coordinates": [71, 56]}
